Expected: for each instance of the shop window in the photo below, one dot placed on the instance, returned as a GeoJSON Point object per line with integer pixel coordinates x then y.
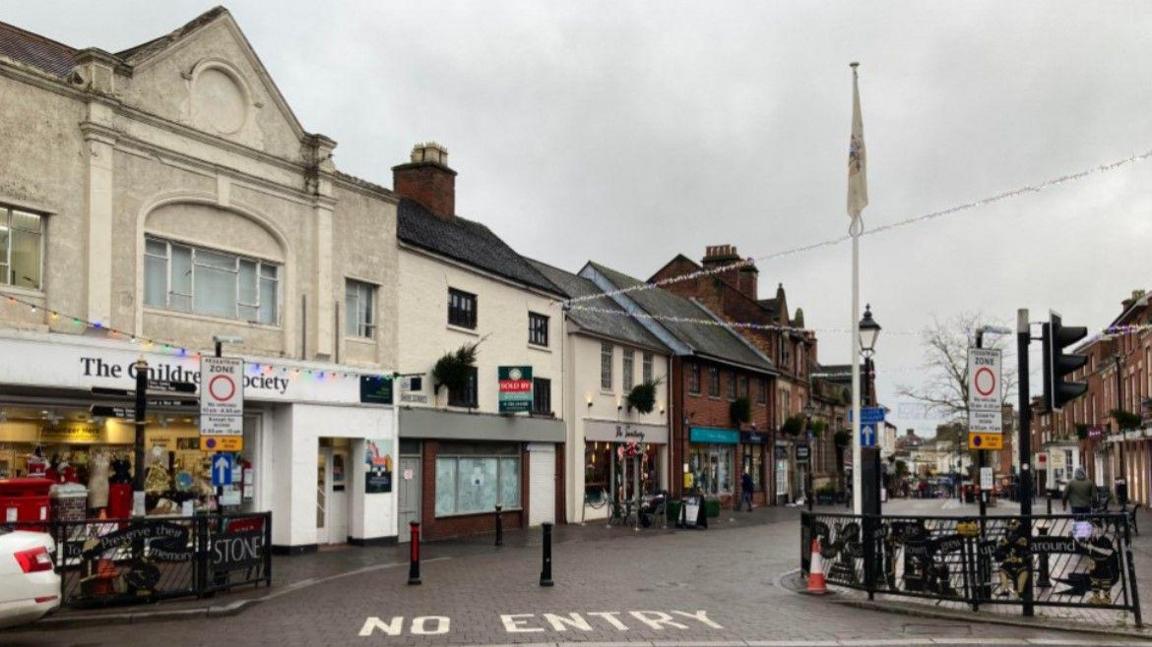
{"type": "Point", "coordinates": [466, 397]}
{"type": "Point", "coordinates": [537, 329]}
{"type": "Point", "coordinates": [191, 279]}
{"type": "Point", "coordinates": [694, 378]}
{"type": "Point", "coordinates": [21, 248]}
{"type": "Point", "coordinates": [476, 484]}
{"type": "Point", "coordinates": [600, 457]}
{"type": "Point", "coordinates": [461, 308]}
{"type": "Point", "coordinates": [541, 396]}
{"type": "Point", "coordinates": [711, 468]}
{"type": "Point", "coordinates": [629, 369]}
{"type": "Point", "coordinates": [647, 371]}
{"type": "Point", "coordinates": [360, 309]}
{"type": "Point", "coordinates": [606, 367]}
{"type": "Point", "coordinates": [713, 381]}
{"type": "Point", "coordinates": [731, 386]}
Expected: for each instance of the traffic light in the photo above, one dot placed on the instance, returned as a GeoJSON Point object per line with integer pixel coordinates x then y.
{"type": "Point", "coordinates": [1058, 364]}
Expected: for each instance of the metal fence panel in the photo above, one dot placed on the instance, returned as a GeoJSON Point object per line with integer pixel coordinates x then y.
{"type": "Point", "coordinates": [1073, 561]}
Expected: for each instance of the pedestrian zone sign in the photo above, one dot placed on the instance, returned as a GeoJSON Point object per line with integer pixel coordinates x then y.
{"type": "Point", "coordinates": [221, 396]}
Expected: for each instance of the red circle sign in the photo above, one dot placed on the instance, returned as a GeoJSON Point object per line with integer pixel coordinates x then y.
{"type": "Point", "coordinates": [984, 377]}
{"type": "Point", "coordinates": [222, 387]}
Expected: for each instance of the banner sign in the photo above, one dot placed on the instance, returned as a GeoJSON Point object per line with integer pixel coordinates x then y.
{"type": "Point", "coordinates": [378, 457]}
{"type": "Point", "coordinates": [515, 389]}
{"type": "Point", "coordinates": [376, 389]}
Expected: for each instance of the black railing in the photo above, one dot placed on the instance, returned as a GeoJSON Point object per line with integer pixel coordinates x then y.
{"type": "Point", "coordinates": [122, 561]}
{"type": "Point", "coordinates": [1071, 561]}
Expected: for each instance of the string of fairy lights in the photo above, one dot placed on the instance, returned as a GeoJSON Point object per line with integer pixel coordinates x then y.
{"type": "Point", "coordinates": [1019, 191]}
{"type": "Point", "coordinates": [179, 350]}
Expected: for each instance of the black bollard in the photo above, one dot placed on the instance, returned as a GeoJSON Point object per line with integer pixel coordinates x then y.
{"type": "Point", "coordinates": [414, 554]}
{"type": "Point", "coordinates": [499, 527]}
{"type": "Point", "coordinates": [1042, 579]}
{"type": "Point", "coordinates": [546, 572]}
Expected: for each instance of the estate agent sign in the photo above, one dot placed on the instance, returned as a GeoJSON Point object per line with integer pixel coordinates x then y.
{"type": "Point", "coordinates": [515, 389]}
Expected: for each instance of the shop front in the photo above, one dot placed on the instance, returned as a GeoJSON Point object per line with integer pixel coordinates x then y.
{"type": "Point", "coordinates": [623, 462]}
{"type": "Point", "coordinates": [753, 447]}
{"type": "Point", "coordinates": [461, 466]}
{"type": "Point", "coordinates": [712, 462]}
{"type": "Point", "coordinates": [782, 467]}
{"type": "Point", "coordinates": [69, 416]}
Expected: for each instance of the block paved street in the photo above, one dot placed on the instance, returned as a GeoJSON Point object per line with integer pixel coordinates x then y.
{"type": "Point", "coordinates": [718, 586]}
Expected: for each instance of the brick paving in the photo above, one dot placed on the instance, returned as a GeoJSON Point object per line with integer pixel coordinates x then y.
{"type": "Point", "coordinates": [623, 586]}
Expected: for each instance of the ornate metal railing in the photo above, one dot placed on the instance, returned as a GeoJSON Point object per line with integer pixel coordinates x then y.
{"type": "Point", "coordinates": [1068, 561]}
{"type": "Point", "coordinates": [123, 561]}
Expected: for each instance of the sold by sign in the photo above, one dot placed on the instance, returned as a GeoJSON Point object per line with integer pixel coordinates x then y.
{"type": "Point", "coordinates": [984, 414]}
{"type": "Point", "coordinates": [221, 396]}
{"type": "Point", "coordinates": [515, 388]}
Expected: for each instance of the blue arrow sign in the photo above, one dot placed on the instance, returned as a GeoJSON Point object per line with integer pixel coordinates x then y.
{"type": "Point", "coordinates": [221, 470]}
{"type": "Point", "coordinates": [867, 434]}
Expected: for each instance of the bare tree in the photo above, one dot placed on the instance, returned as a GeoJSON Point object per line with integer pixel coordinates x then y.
{"type": "Point", "coordinates": [946, 344]}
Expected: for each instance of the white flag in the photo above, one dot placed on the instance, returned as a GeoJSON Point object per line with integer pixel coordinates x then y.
{"type": "Point", "coordinates": [857, 160]}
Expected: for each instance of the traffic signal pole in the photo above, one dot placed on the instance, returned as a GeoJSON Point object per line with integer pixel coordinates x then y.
{"type": "Point", "coordinates": [1023, 340]}
{"type": "Point", "coordinates": [980, 458]}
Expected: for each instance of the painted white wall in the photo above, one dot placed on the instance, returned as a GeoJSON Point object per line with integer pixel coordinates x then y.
{"type": "Point", "coordinates": [583, 366]}
{"type": "Point", "coordinates": [502, 324]}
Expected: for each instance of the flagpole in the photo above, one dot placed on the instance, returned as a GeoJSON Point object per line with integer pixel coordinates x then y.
{"type": "Point", "coordinates": [855, 229]}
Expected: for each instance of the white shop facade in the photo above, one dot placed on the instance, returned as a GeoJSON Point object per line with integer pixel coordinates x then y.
{"type": "Point", "coordinates": [319, 440]}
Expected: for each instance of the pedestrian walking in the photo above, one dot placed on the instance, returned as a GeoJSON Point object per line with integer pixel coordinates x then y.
{"type": "Point", "coordinates": [746, 486]}
{"type": "Point", "coordinates": [1079, 493]}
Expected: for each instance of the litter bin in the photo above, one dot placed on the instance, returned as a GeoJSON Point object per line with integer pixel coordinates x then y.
{"type": "Point", "coordinates": [25, 502]}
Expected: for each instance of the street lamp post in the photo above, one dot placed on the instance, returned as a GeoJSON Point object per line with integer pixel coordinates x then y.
{"type": "Point", "coordinates": [809, 410]}
{"type": "Point", "coordinates": [869, 331]}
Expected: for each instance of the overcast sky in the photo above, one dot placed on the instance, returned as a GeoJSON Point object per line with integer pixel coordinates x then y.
{"type": "Point", "coordinates": [630, 132]}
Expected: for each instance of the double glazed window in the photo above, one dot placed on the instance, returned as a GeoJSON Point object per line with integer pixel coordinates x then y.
{"type": "Point", "coordinates": [541, 396]}
{"type": "Point", "coordinates": [713, 381]}
{"type": "Point", "coordinates": [21, 248]}
{"type": "Point", "coordinates": [360, 309]}
{"type": "Point", "coordinates": [731, 386]}
{"type": "Point", "coordinates": [184, 278]}
{"type": "Point", "coordinates": [461, 308]}
{"type": "Point", "coordinates": [468, 396]}
{"type": "Point", "coordinates": [629, 369]}
{"type": "Point", "coordinates": [537, 329]}
{"type": "Point", "coordinates": [694, 378]}
{"type": "Point", "coordinates": [606, 367]}
{"type": "Point", "coordinates": [647, 368]}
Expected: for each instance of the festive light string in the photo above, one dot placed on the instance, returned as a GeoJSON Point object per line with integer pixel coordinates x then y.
{"type": "Point", "coordinates": [743, 325]}
{"type": "Point", "coordinates": [181, 351]}
{"type": "Point", "coordinates": [1032, 188]}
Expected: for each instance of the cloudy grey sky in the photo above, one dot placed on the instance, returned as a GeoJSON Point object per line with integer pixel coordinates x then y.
{"type": "Point", "coordinates": [629, 132]}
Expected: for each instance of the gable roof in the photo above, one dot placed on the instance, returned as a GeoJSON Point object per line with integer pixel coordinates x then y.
{"type": "Point", "coordinates": [617, 325]}
{"type": "Point", "coordinates": [146, 50]}
{"type": "Point", "coordinates": [36, 51]}
{"type": "Point", "coordinates": [466, 241]}
{"type": "Point", "coordinates": [714, 341]}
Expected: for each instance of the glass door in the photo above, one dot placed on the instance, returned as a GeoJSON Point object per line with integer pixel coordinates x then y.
{"type": "Point", "coordinates": [322, 495]}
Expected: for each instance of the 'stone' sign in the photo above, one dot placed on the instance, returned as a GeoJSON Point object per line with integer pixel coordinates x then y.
{"type": "Point", "coordinates": [515, 389]}
{"type": "Point", "coordinates": [221, 396]}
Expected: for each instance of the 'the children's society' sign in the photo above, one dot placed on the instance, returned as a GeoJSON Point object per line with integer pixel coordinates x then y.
{"type": "Point", "coordinates": [515, 389]}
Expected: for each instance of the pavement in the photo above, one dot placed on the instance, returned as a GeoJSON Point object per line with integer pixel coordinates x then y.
{"type": "Point", "coordinates": [613, 586]}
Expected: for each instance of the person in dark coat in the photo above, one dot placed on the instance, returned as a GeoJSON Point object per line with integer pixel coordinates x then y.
{"type": "Point", "coordinates": [746, 487]}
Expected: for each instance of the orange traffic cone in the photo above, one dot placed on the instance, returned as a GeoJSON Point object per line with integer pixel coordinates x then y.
{"type": "Point", "coordinates": [817, 585]}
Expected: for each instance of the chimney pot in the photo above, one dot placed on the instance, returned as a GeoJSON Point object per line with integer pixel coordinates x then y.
{"type": "Point", "coordinates": [428, 180]}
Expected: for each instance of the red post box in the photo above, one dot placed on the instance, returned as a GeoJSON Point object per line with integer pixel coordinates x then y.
{"type": "Point", "coordinates": [25, 502]}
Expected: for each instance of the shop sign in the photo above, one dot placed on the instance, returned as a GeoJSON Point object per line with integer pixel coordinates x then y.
{"type": "Point", "coordinates": [236, 550]}
{"type": "Point", "coordinates": [753, 438]}
{"type": "Point", "coordinates": [73, 433]}
{"type": "Point", "coordinates": [378, 457]}
{"type": "Point", "coordinates": [376, 389]}
{"type": "Point", "coordinates": [515, 389]}
{"type": "Point", "coordinates": [622, 432]}
{"type": "Point", "coordinates": [222, 396]}
{"type": "Point", "coordinates": [714, 436]}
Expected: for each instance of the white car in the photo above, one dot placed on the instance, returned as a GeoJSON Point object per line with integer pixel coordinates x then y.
{"type": "Point", "coordinates": [29, 586]}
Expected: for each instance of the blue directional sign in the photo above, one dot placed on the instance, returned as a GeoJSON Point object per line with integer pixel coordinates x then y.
{"type": "Point", "coordinates": [873, 415]}
{"type": "Point", "coordinates": [867, 434]}
{"type": "Point", "coordinates": [221, 470]}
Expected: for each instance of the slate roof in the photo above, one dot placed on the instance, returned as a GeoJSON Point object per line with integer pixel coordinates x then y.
{"type": "Point", "coordinates": [617, 326]}
{"type": "Point", "coordinates": [717, 342]}
{"type": "Point", "coordinates": [466, 241]}
{"type": "Point", "coordinates": [37, 51]}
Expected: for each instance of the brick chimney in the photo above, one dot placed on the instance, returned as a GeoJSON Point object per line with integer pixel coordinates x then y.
{"type": "Point", "coordinates": [1136, 296]}
{"type": "Point", "coordinates": [743, 278]}
{"type": "Point", "coordinates": [427, 179]}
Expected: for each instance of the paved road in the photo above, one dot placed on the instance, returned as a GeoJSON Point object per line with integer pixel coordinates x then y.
{"type": "Point", "coordinates": [711, 587]}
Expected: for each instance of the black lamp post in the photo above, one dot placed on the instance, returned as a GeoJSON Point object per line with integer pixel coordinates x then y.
{"type": "Point", "coordinates": [809, 410]}
{"type": "Point", "coordinates": [869, 332]}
